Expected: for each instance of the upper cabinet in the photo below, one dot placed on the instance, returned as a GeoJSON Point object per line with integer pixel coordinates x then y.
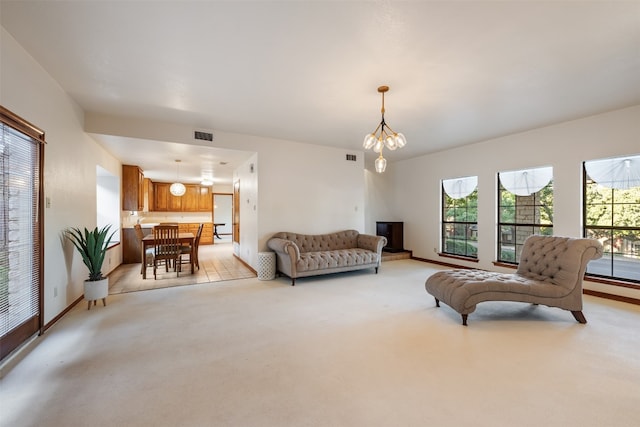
{"type": "Point", "coordinates": [132, 188]}
{"type": "Point", "coordinates": [190, 199]}
{"type": "Point", "coordinates": [197, 198]}
{"type": "Point", "coordinates": [149, 195]}
{"type": "Point", "coordinates": [205, 199]}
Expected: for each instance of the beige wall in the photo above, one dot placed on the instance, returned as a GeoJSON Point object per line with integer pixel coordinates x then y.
{"type": "Point", "coordinates": [303, 188]}
{"type": "Point", "coordinates": [416, 182]}
{"type": "Point", "coordinates": [71, 157]}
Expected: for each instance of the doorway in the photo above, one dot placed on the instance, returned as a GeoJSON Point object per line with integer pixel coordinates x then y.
{"type": "Point", "coordinates": [222, 217]}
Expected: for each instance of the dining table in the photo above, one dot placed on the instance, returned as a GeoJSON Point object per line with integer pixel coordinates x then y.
{"type": "Point", "coordinates": [185, 238]}
{"type": "Point", "coordinates": [215, 229]}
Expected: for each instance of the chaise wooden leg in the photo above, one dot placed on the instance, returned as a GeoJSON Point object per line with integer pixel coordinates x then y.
{"type": "Point", "coordinates": [579, 316]}
{"type": "Point", "coordinates": [104, 302]}
{"type": "Point", "coordinates": [464, 319]}
{"type": "Point", "coordinates": [376, 270]}
{"type": "Point", "coordinates": [293, 281]}
{"type": "Point", "coordinates": [437, 302]}
{"type": "Point", "coordinates": [89, 306]}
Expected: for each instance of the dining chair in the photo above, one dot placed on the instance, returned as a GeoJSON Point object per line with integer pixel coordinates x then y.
{"type": "Point", "coordinates": [166, 247]}
{"type": "Point", "coordinates": [186, 249]}
{"type": "Point", "coordinates": [148, 253]}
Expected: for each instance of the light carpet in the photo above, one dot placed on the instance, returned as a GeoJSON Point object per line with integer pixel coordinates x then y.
{"type": "Point", "coordinates": [352, 349]}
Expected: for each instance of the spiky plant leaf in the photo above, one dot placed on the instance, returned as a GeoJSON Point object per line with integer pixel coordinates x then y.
{"type": "Point", "coordinates": [92, 246]}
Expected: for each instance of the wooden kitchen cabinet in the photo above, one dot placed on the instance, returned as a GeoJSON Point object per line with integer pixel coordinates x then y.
{"type": "Point", "coordinates": [207, 234]}
{"type": "Point", "coordinates": [192, 227]}
{"type": "Point", "coordinates": [174, 202]}
{"type": "Point", "coordinates": [190, 198]}
{"type": "Point", "coordinates": [149, 195]}
{"type": "Point", "coordinates": [205, 199]}
{"type": "Point", "coordinates": [161, 196]}
{"type": "Point", "coordinates": [131, 245]}
{"type": "Point", "coordinates": [164, 200]}
{"type": "Point", "coordinates": [197, 198]}
{"type": "Point", "coordinates": [132, 188]}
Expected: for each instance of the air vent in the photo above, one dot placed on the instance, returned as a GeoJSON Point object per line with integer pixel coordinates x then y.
{"type": "Point", "coordinates": [204, 136]}
{"type": "Point", "coordinates": [351, 157]}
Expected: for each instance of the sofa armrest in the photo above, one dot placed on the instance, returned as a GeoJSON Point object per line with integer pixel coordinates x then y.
{"type": "Point", "coordinates": [372, 243]}
{"type": "Point", "coordinates": [284, 247]}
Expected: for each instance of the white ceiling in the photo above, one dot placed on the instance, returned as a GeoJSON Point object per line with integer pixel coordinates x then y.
{"type": "Point", "coordinates": [459, 72]}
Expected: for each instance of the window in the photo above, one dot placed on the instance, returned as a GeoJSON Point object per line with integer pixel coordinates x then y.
{"type": "Point", "coordinates": [21, 256]}
{"type": "Point", "coordinates": [611, 214]}
{"type": "Point", "coordinates": [525, 207]}
{"type": "Point", "coordinates": [460, 216]}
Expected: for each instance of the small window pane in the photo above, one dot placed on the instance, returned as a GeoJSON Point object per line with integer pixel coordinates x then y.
{"type": "Point", "coordinates": [612, 216]}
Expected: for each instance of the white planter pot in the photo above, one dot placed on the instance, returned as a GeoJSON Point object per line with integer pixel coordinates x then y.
{"type": "Point", "coordinates": [98, 289]}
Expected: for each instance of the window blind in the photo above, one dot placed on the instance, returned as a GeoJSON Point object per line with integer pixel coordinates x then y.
{"type": "Point", "coordinates": [20, 242]}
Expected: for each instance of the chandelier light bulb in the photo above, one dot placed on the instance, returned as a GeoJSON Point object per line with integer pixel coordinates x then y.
{"type": "Point", "coordinates": [378, 145]}
{"type": "Point", "coordinates": [381, 164]}
{"type": "Point", "coordinates": [369, 141]}
{"type": "Point", "coordinates": [401, 141]}
{"type": "Point", "coordinates": [390, 143]}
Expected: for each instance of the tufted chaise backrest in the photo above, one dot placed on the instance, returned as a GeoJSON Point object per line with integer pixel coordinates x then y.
{"type": "Point", "coordinates": [558, 260]}
{"type": "Point", "coordinates": [346, 239]}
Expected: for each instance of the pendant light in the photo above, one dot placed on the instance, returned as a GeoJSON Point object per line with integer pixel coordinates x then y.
{"type": "Point", "coordinates": [177, 188]}
{"type": "Point", "coordinates": [387, 138]}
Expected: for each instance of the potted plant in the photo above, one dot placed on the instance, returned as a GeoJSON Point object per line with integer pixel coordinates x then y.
{"type": "Point", "coordinates": [92, 246]}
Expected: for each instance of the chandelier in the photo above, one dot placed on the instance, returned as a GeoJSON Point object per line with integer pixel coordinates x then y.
{"type": "Point", "coordinates": [177, 188]}
{"type": "Point", "coordinates": [386, 138]}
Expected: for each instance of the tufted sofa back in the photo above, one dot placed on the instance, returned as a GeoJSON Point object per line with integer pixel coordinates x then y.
{"type": "Point", "coordinates": [558, 260]}
{"type": "Point", "coordinates": [346, 239]}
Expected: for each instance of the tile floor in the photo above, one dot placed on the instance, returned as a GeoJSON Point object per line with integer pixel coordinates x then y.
{"type": "Point", "coordinates": [217, 263]}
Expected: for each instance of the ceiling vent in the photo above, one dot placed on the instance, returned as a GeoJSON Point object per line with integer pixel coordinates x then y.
{"type": "Point", "coordinates": [204, 136]}
{"type": "Point", "coordinates": [351, 157]}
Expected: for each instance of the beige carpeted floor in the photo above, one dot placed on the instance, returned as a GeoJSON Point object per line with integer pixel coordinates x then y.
{"type": "Point", "coordinates": [354, 349]}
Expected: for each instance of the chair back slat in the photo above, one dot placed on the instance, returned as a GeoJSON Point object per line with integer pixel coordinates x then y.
{"type": "Point", "coordinates": [196, 242]}
{"type": "Point", "coordinates": [167, 245]}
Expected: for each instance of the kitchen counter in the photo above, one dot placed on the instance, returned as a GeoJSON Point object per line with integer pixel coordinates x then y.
{"type": "Point", "coordinates": [143, 225]}
{"type": "Point", "coordinates": [149, 224]}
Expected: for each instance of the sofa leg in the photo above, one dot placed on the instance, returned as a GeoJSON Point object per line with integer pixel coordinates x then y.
{"type": "Point", "coordinates": [437, 302]}
{"type": "Point", "coordinates": [293, 281]}
{"type": "Point", "coordinates": [579, 317]}
{"type": "Point", "coordinates": [376, 270]}
{"type": "Point", "coordinates": [464, 319]}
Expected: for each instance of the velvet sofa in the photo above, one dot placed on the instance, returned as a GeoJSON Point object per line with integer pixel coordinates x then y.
{"type": "Point", "coordinates": [304, 255]}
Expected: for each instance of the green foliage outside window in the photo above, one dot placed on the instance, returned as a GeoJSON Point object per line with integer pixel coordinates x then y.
{"type": "Point", "coordinates": [459, 227]}
{"type": "Point", "coordinates": [521, 216]}
{"type": "Point", "coordinates": [612, 216]}
{"type": "Point", "coordinates": [609, 207]}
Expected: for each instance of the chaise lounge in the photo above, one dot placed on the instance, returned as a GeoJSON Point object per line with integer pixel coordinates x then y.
{"type": "Point", "coordinates": [550, 273]}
